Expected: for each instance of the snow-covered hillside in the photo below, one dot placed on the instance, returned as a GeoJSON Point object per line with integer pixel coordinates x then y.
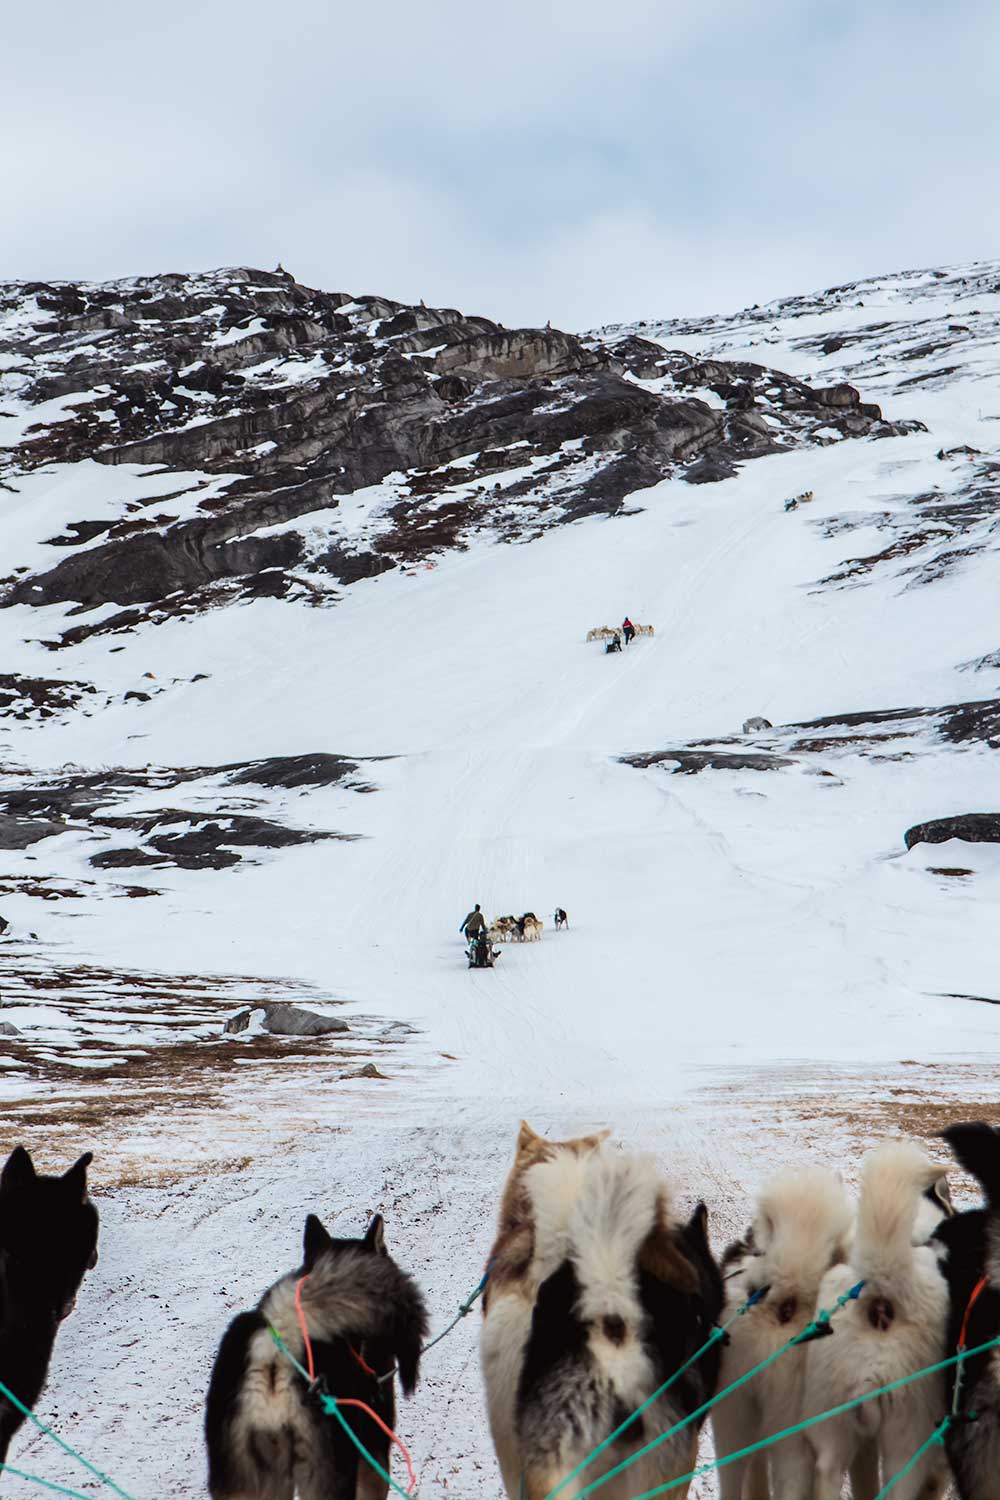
{"type": "Point", "coordinates": [308, 800]}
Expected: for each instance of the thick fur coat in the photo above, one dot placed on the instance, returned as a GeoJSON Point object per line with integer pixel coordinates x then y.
{"type": "Point", "coordinates": [48, 1241]}
{"type": "Point", "coordinates": [267, 1433]}
{"type": "Point", "coordinates": [971, 1246]}
{"type": "Point", "coordinates": [896, 1327]}
{"type": "Point", "coordinates": [802, 1228]}
{"type": "Point", "coordinates": [597, 1294]}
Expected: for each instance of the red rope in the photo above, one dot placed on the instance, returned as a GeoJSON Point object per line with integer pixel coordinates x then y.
{"type": "Point", "coordinates": [979, 1287]}
{"type": "Point", "coordinates": [389, 1434]}
{"type": "Point", "coordinates": [311, 1367]}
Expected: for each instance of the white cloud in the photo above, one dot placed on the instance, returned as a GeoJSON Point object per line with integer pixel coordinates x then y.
{"type": "Point", "coordinates": [554, 159]}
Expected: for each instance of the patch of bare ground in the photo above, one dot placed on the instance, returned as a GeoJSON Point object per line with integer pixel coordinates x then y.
{"type": "Point", "coordinates": [136, 1067]}
{"type": "Point", "coordinates": [838, 1111]}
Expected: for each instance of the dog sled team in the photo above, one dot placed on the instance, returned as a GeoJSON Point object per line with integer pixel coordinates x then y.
{"type": "Point", "coordinates": [598, 1290]}
{"type": "Point", "coordinates": [484, 936]}
{"type": "Point", "coordinates": [613, 638]}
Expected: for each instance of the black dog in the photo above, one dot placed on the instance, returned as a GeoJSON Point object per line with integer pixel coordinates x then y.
{"type": "Point", "coordinates": [48, 1241]}
{"type": "Point", "coordinates": [972, 1241]}
{"type": "Point", "coordinates": [268, 1434]}
{"type": "Point", "coordinates": [561, 918]}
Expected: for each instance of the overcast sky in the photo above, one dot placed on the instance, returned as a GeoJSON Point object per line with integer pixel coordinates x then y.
{"type": "Point", "coordinates": [555, 159]}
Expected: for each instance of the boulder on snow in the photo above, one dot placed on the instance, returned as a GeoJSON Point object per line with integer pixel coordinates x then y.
{"type": "Point", "coordinates": [8, 1029]}
{"type": "Point", "coordinates": [368, 1071]}
{"type": "Point", "coordinates": [20, 833]}
{"type": "Point", "coordinates": [750, 726]}
{"type": "Point", "coordinates": [281, 1018]}
{"type": "Point", "coordinates": [4, 924]}
{"type": "Point", "coordinates": [972, 828]}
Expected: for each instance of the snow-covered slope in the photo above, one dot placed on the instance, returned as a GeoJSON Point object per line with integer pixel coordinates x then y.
{"type": "Point", "coordinates": [756, 965]}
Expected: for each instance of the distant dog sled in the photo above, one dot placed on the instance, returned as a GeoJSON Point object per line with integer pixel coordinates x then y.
{"type": "Point", "coordinates": [605, 632]}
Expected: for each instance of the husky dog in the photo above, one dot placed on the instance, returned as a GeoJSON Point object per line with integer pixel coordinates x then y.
{"type": "Point", "coordinates": [896, 1327]}
{"type": "Point", "coordinates": [802, 1228]}
{"type": "Point", "coordinates": [644, 630]}
{"type": "Point", "coordinates": [972, 1243]}
{"type": "Point", "coordinates": [505, 927]}
{"type": "Point", "coordinates": [267, 1434]}
{"type": "Point", "coordinates": [600, 633]}
{"type": "Point", "coordinates": [48, 1241]}
{"type": "Point", "coordinates": [531, 927]}
{"type": "Point", "coordinates": [561, 919]}
{"type": "Point", "coordinates": [597, 1293]}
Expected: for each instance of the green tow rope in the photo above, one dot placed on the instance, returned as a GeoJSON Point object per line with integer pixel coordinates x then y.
{"type": "Point", "coordinates": [714, 1337]}
{"type": "Point", "coordinates": [818, 1328]}
{"type": "Point", "coordinates": [824, 1416]}
{"type": "Point", "coordinates": [332, 1409]}
{"type": "Point", "coordinates": [60, 1489]}
{"type": "Point", "coordinates": [26, 1411]}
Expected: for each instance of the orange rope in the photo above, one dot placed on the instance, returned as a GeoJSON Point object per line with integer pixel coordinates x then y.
{"type": "Point", "coordinates": [979, 1287]}
{"type": "Point", "coordinates": [310, 1366]}
{"type": "Point", "coordinates": [389, 1434]}
{"type": "Point", "coordinates": [363, 1362]}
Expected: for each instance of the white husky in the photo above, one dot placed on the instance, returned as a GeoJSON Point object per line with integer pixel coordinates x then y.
{"type": "Point", "coordinates": [802, 1228]}
{"type": "Point", "coordinates": [896, 1327]}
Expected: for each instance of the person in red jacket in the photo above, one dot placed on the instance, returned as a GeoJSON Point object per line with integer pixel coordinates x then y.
{"type": "Point", "coordinates": [628, 629]}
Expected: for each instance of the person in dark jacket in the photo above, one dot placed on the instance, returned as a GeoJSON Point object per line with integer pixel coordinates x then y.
{"type": "Point", "coordinates": [629, 630]}
{"type": "Point", "coordinates": [474, 923]}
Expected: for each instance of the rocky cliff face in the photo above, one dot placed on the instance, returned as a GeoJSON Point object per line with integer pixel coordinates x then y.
{"type": "Point", "coordinates": [269, 438]}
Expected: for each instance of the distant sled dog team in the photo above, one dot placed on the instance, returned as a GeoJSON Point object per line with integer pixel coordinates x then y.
{"type": "Point", "coordinates": [483, 936]}
{"type": "Point", "coordinates": [602, 1349]}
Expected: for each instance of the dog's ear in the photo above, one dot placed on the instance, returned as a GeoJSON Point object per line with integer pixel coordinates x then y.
{"type": "Point", "coordinates": [526, 1137]}
{"type": "Point", "coordinates": [940, 1193]}
{"type": "Point", "coordinates": [19, 1170]}
{"type": "Point", "coordinates": [661, 1256]}
{"type": "Point", "coordinates": [592, 1142]}
{"type": "Point", "coordinates": [75, 1179]}
{"type": "Point", "coordinates": [697, 1226]}
{"type": "Point", "coordinates": [314, 1240]}
{"type": "Point", "coordinates": [375, 1236]}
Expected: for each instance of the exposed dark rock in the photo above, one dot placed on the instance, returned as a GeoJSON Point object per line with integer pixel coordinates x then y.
{"type": "Point", "coordinates": [690, 762]}
{"type": "Point", "coordinates": [971, 828]}
{"type": "Point", "coordinates": [282, 1018]}
{"type": "Point", "coordinates": [8, 1029]}
{"type": "Point", "coordinates": [319, 769]}
{"type": "Point", "coordinates": [39, 697]}
{"type": "Point", "coordinates": [193, 842]}
{"type": "Point", "coordinates": [290, 398]}
{"type": "Point", "coordinates": [21, 833]}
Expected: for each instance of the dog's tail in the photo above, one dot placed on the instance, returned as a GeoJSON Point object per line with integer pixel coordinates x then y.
{"type": "Point", "coordinates": [894, 1178]}
{"type": "Point", "coordinates": [802, 1228]}
{"type": "Point", "coordinates": [977, 1148]}
{"type": "Point", "coordinates": [357, 1296]}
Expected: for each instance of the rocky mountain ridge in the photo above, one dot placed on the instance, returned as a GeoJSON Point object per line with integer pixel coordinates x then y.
{"type": "Point", "coordinates": [243, 435]}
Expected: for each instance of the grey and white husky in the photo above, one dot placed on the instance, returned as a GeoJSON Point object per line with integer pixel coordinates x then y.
{"type": "Point", "coordinates": [267, 1433]}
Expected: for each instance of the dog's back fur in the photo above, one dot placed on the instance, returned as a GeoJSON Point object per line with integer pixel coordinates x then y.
{"type": "Point", "coordinates": [971, 1242]}
{"type": "Point", "coordinates": [894, 1328]}
{"type": "Point", "coordinates": [802, 1227]}
{"type": "Point", "coordinates": [48, 1241]}
{"type": "Point", "coordinates": [267, 1435]}
{"type": "Point", "coordinates": [609, 1295]}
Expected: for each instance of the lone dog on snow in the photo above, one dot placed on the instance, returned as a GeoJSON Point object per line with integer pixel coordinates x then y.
{"type": "Point", "coordinates": [597, 1293]}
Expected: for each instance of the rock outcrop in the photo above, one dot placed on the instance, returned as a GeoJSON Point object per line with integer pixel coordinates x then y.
{"type": "Point", "coordinates": [274, 402]}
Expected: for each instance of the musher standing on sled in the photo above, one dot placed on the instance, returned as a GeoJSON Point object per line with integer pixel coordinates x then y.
{"type": "Point", "coordinates": [629, 630]}
{"type": "Point", "coordinates": [473, 924]}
